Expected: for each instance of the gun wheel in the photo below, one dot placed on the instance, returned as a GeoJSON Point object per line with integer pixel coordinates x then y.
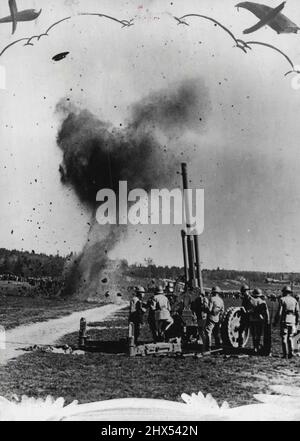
{"type": "Point", "coordinates": [235, 330]}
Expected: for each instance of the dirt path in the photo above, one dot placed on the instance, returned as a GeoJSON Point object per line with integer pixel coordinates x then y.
{"type": "Point", "coordinates": [48, 332]}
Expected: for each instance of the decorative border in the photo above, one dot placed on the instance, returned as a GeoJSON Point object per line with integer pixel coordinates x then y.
{"type": "Point", "coordinates": [196, 407]}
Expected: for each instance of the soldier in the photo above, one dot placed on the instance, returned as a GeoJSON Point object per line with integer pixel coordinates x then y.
{"type": "Point", "coordinates": [246, 297]}
{"type": "Point", "coordinates": [200, 308]}
{"type": "Point", "coordinates": [151, 305]}
{"type": "Point", "coordinates": [214, 318]}
{"type": "Point", "coordinates": [258, 317]}
{"type": "Point", "coordinates": [288, 315]}
{"type": "Point", "coordinates": [136, 311]}
{"type": "Point", "coordinates": [162, 313]}
{"type": "Point", "coordinates": [245, 294]}
{"type": "Point", "coordinates": [171, 296]}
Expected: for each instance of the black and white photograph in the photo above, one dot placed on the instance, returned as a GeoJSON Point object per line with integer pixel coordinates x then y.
{"type": "Point", "coordinates": [150, 213]}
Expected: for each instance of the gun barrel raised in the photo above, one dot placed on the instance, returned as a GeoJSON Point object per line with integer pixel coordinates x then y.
{"type": "Point", "coordinates": [192, 280]}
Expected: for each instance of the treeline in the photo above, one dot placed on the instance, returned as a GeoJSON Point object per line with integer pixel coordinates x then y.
{"type": "Point", "coordinates": [152, 271]}
{"type": "Point", "coordinates": [253, 276]}
{"type": "Point", "coordinates": [165, 272]}
{"type": "Point", "coordinates": [30, 264]}
{"type": "Point", "coordinates": [26, 264]}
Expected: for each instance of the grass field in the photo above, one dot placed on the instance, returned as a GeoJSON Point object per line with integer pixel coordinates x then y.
{"type": "Point", "coordinates": [16, 311]}
{"type": "Point", "coordinates": [112, 374]}
{"type": "Point", "coordinates": [18, 307]}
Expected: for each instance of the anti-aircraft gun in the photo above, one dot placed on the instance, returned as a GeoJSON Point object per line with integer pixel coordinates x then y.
{"type": "Point", "coordinates": [234, 330]}
{"type": "Point", "coordinates": [192, 265]}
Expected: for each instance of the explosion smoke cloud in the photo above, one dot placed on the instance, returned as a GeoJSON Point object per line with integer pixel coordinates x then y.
{"type": "Point", "coordinates": [175, 110]}
{"type": "Point", "coordinates": [97, 155]}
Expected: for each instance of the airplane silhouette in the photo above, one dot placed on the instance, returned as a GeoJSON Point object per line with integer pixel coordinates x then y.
{"type": "Point", "coordinates": [271, 17]}
{"type": "Point", "coordinates": [15, 15]}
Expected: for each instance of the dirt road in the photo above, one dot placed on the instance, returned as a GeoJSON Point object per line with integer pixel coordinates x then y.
{"type": "Point", "coordinates": [48, 332]}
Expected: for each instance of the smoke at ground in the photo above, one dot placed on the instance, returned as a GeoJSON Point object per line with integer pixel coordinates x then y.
{"type": "Point", "coordinates": [97, 155]}
{"type": "Point", "coordinates": [84, 271]}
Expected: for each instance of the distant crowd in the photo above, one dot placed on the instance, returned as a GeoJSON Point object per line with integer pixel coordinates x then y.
{"type": "Point", "coordinates": [46, 286]}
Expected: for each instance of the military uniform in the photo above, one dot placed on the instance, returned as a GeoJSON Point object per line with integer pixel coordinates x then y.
{"type": "Point", "coordinates": [200, 308]}
{"type": "Point", "coordinates": [246, 304]}
{"type": "Point", "coordinates": [288, 314]}
{"type": "Point", "coordinates": [151, 304]}
{"type": "Point", "coordinates": [258, 317]}
{"type": "Point", "coordinates": [136, 313]}
{"type": "Point", "coordinates": [163, 317]}
{"type": "Point", "coordinates": [214, 317]}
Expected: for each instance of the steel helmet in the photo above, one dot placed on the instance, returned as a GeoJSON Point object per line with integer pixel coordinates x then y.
{"type": "Point", "coordinates": [287, 290]}
{"type": "Point", "coordinates": [244, 288]}
{"type": "Point", "coordinates": [140, 289]}
{"type": "Point", "coordinates": [257, 292]}
{"type": "Point", "coordinates": [159, 290]}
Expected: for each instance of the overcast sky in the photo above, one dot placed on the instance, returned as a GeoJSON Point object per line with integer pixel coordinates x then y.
{"type": "Point", "coordinates": [246, 158]}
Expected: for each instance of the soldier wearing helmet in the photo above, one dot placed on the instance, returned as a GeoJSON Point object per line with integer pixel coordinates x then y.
{"type": "Point", "coordinates": [245, 293]}
{"type": "Point", "coordinates": [258, 317]}
{"type": "Point", "coordinates": [151, 305]}
{"type": "Point", "coordinates": [214, 318]}
{"type": "Point", "coordinates": [163, 317]}
{"type": "Point", "coordinates": [137, 310]}
{"type": "Point", "coordinates": [288, 315]}
{"type": "Point", "coordinates": [199, 307]}
{"type": "Point", "coordinates": [170, 294]}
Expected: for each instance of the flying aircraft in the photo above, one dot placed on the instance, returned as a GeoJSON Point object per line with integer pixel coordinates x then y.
{"type": "Point", "coordinates": [271, 17]}
{"type": "Point", "coordinates": [16, 16]}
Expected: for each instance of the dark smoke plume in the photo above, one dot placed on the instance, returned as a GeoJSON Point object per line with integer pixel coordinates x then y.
{"type": "Point", "coordinates": [96, 155]}
{"type": "Point", "coordinates": [174, 111]}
